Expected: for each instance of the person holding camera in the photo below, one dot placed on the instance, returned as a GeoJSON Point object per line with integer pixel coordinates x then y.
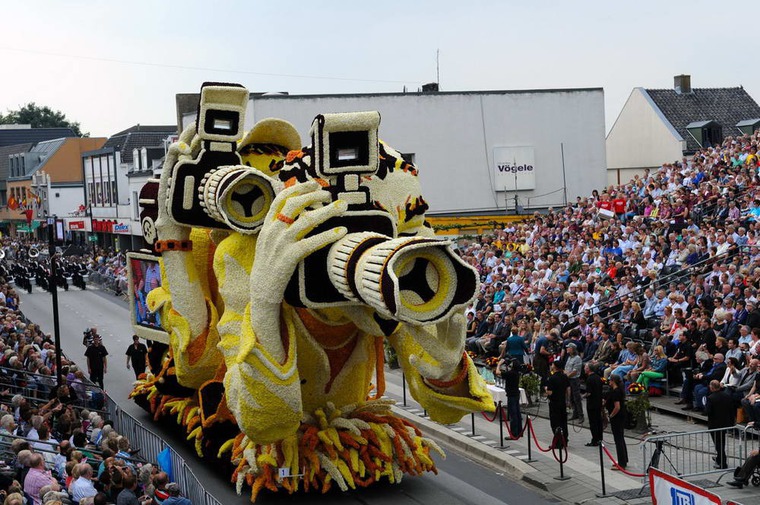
{"type": "Point", "coordinates": [509, 372]}
{"type": "Point", "coordinates": [97, 361]}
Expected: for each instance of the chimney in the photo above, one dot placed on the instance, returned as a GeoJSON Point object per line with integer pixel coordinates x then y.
{"type": "Point", "coordinates": [431, 87]}
{"type": "Point", "coordinates": [682, 84]}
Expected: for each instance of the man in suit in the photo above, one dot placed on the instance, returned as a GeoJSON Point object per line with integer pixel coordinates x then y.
{"type": "Point", "coordinates": [499, 334]}
{"type": "Point", "coordinates": [701, 382]}
{"type": "Point", "coordinates": [721, 413]}
{"type": "Point", "coordinates": [594, 405]}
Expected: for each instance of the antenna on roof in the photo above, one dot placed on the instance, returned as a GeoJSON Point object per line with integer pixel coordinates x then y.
{"type": "Point", "coordinates": [437, 67]}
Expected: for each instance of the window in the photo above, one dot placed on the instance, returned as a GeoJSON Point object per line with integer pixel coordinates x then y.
{"type": "Point", "coordinates": [135, 206]}
{"type": "Point", "coordinates": [114, 196]}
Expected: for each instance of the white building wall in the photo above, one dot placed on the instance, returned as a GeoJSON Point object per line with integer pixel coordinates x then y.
{"type": "Point", "coordinates": [453, 136]}
{"type": "Point", "coordinates": [64, 201]}
{"type": "Point", "coordinates": [641, 137]}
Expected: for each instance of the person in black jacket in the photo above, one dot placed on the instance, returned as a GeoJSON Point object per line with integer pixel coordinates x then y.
{"type": "Point", "coordinates": [594, 405]}
{"type": "Point", "coordinates": [511, 375]}
{"type": "Point", "coordinates": [753, 315]}
{"type": "Point", "coordinates": [616, 408]}
{"type": "Point", "coordinates": [721, 413]}
{"type": "Point", "coordinates": [557, 390]}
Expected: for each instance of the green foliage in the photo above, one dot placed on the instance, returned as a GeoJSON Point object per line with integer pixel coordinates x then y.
{"type": "Point", "coordinates": [390, 355]}
{"type": "Point", "coordinates": [531, 383]}
{"type": "Point", "coordinates": [40, 117]}
{"type": "Point", "coordinates": [638, 405]}
{"type": "Point", "coordinates": [447, 227]}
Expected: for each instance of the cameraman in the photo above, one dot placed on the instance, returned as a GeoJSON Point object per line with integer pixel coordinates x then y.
{"type": "Point", "coordinates": [509, 372]}
{"type": "Point", "coordinates": [89, 336]}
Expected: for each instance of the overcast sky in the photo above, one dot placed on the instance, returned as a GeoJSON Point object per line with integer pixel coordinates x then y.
{"type": "Point", "coordinates": [110, 65]}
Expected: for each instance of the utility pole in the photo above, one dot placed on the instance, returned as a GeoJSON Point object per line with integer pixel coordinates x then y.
{"type": "Point", "coordinates": [438, 68]}
{"type": "Point", "coordinates": [564, 177]}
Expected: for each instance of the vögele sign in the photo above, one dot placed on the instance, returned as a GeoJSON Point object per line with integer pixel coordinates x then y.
{"type": "Point", "coordinates": [514, 168]}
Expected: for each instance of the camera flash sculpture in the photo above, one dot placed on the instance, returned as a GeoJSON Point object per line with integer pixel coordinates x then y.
{"type": "Point", "coordinates": [286, 272]}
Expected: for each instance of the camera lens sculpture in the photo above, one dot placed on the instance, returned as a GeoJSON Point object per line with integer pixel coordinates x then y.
{"type": "Point", "coordinates": [286, 270]}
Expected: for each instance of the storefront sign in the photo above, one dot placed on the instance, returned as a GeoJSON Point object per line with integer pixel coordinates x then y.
{"type": "Point", "coordinates": [121, 228]}
{"type": "Point", "coordinates": [76, 225]}
{"type": "Point", "coordinates": [514, 168]}
{"type": "Point", "coordinates": [669, 490]}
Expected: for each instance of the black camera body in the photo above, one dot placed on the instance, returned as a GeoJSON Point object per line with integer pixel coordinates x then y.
{"type": "Point", "coordinates": [345, 149]}
{"type": "Point", "coordinates": [214, 189]}
{"type": "Point", "coordinates": [220, 124]}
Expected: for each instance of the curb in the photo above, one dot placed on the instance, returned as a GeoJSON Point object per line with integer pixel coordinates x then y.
{"type": "Point", "coordinates": [485, 454]}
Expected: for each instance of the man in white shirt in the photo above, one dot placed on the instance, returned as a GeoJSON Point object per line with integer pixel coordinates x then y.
{"type": "Point", "coordinates": [83, 486]}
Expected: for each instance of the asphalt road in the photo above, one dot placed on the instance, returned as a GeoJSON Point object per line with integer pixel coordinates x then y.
{"type": "Point", "coordinates": [459, 481]}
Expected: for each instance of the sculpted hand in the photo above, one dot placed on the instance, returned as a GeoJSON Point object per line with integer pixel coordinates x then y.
{"type": "Point", "coordinates": [443, 346]}
{"type": "Point", "coordinates": [281, 245]}
{"type": "Point", "coordinates": [166, 227]}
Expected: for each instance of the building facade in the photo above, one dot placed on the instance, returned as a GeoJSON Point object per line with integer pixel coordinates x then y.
{"type": "Point", "coordinates": [479, 153]}
{"type": "Point", "coordinates": [659, 126]}
{"type": "Point", "coordinates": [110, 175]}
{"type": "Point", "coordinates": [44, 180]}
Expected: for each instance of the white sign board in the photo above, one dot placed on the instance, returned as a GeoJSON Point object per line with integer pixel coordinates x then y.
{"type": "Point", "coordinates": [514, 168]}
{"type": "Point", "coordinates": [669, 490]}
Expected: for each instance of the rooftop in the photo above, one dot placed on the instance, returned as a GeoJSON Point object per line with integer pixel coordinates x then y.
{"type": "Point", "coordinates": [16, 136]}
{"type": "Point", "coordinates": [138, 136]}
{"type": "Point", "coordinates": [725, 106]}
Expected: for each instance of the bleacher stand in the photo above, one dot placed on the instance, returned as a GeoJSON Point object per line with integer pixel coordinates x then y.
{"type": "Point", "coordinates": [676, 266]}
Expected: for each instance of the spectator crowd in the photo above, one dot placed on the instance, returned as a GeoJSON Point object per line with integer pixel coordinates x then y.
{"type": "Point", "coordinates": [57, 447]}
{"type": "Point", "coordinates": [653, 280]}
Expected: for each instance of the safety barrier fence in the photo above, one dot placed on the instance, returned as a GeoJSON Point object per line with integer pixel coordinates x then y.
{"type": "Point", "coordinates": [151, 445]}
{"type": "Point", "coordinates": [685, 454]}
{"type": "Point", "coordinates": [689, 454]}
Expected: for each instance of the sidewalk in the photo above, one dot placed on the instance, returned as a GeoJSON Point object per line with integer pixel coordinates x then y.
{"type": "Point", "coordinates": [582, 467]}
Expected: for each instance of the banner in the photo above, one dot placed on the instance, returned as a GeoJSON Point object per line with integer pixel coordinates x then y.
{"type": "Point", "coordinates": [669, 490]}
{"type": "Point", "coordinates": [514, 168]}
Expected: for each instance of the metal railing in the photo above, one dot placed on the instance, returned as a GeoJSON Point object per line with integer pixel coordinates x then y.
{"type": "Point", "coordinates": [151, 445]}
{"type": "Point", "coordinates": [689, 454]}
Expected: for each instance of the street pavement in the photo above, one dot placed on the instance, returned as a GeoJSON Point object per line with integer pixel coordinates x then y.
{"type": "Point", "coordinates": [460, 481]}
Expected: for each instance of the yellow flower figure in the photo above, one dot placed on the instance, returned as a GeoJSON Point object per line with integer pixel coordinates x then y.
{"type": "Point", "coordinates": [278, 314]}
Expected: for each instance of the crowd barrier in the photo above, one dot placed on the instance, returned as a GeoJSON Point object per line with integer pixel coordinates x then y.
{"type": "Point", "coordinates": [151, 445]}
{"type": "Point", "coordinates": [689, 454]}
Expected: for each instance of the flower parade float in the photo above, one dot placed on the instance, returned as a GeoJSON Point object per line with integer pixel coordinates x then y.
{"type": "Point", "coordinates": [286, 275]}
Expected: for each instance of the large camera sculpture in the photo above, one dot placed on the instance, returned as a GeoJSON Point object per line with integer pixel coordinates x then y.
{"type": "Point", "coordinates": [286, 272]}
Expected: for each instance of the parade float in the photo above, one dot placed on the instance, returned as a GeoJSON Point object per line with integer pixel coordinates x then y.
{"type": "Point", "coordinates": [275, 278]}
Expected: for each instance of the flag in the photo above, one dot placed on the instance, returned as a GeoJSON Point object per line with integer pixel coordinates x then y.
{"type": "Point", "coordinates": [164, 460]}
{"type": "Point", "coordinates": [29, 213]}
{"type": "Point", "coordinates": [12, 203]}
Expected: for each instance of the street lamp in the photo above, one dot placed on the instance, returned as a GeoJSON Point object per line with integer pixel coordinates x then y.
{"type": "Point", "coordinates": [52, 282]}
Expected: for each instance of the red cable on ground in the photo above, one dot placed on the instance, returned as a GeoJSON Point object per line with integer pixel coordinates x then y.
{"type": "Point", "coordinates": [533, 432]}
{"type": "Point", "coordinates": [617, 465]}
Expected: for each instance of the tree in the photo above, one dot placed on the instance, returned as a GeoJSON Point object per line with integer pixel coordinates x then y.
{"type": "Point", "coordinates": [40, 117]}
